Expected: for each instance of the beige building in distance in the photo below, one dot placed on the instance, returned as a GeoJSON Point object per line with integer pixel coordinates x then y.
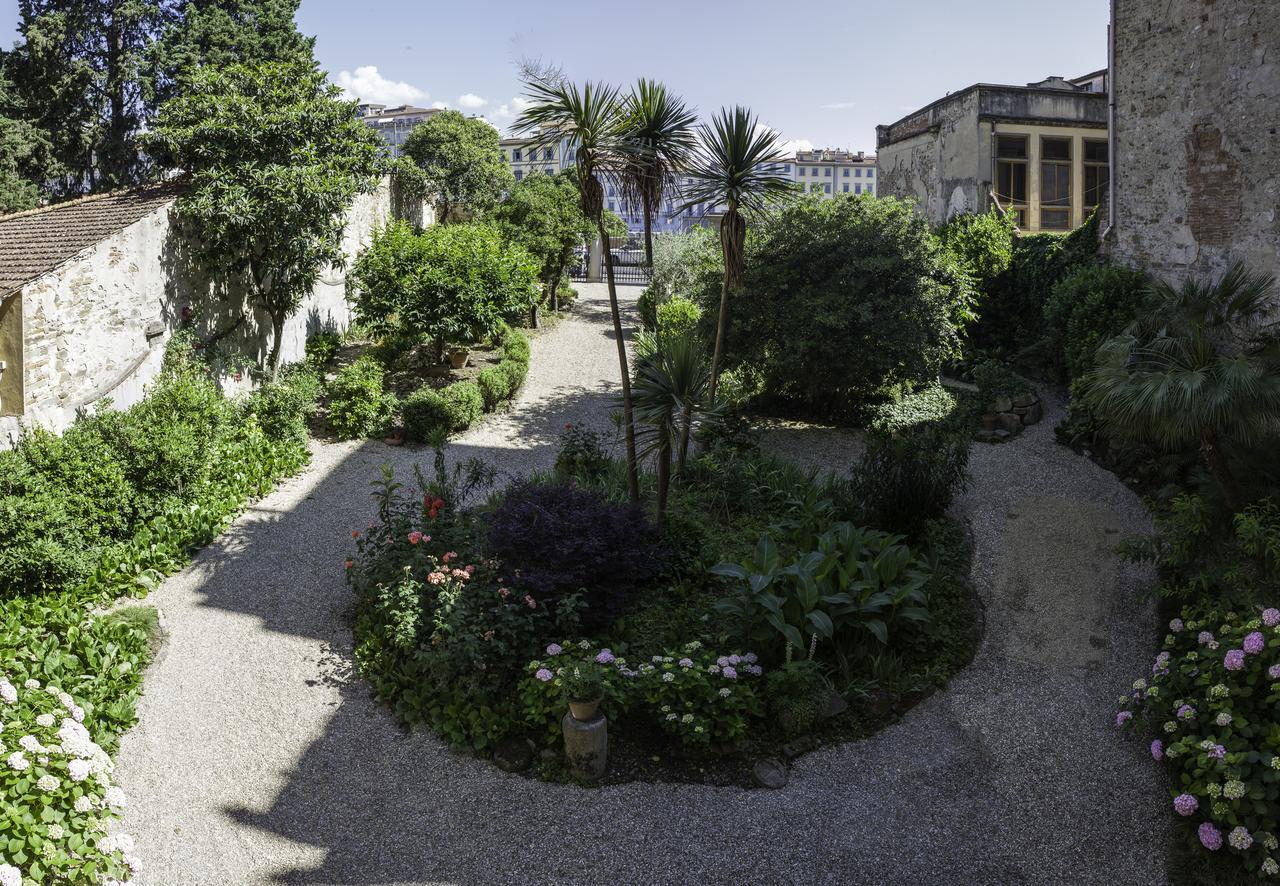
{"type": "Point", "coordinates": [1039, 151]}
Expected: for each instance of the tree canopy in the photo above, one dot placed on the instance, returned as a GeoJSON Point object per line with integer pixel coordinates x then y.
{"type": "Point", "coordinates": [542, 214]}
{"type": "Point", "coordinates": [461, 160]}
{"type": "Point", "coordinates": [275, 159]}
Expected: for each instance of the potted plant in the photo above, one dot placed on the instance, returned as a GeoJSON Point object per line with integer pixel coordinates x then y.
{"type": "Point", "coordinates": [584, 688]}
{"type": "Point", "coordinates": [458, 357]}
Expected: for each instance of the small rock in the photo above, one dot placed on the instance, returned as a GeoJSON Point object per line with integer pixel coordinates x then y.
{"type": "Point", "coordinates": [989, 421]}
{"type": "Point", "coordinates": [1001, 435]}
{"type": "Point", "coordinates": [1007, 421]}
{"type": "Point", "coordinates": [770, 773]}
{"type": "Point", "coordinates": [1002, 404]}
{"type": "Point", "coordinates": [1033, 414]}
{"type": "Point", "coordinates": [1026, 399]}
{"type": "Point", "coordinates": [513, 755]}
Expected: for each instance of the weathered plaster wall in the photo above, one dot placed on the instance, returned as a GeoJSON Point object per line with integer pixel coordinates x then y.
{"type": "Point", "coordinates": [1197, 166]}
{"type": "Point", "coordinates": [96, 326]}
{"type": "Point", "coordinates": [939, 166]}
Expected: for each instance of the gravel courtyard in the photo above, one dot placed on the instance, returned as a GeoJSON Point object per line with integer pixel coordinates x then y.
{"type": "Point", "coordinates": [261, 758]}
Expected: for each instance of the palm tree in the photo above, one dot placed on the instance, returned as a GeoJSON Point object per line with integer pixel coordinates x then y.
{"type": "Point", "coordinates": [590, 119]}
{"type": "Point", "coordinates": [733, 170]}
{"type": "Point", "coordinates": [1198, 368]}
{"type": "Point", "coordinates": [672, 384]}
{"type": "Point", "coordinates": [659, 144]}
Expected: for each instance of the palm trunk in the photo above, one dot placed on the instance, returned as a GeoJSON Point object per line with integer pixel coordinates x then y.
{"type": "Point", "coordinates": [1216, 461]}
{"type": "Point", "coordinates": [686, 427]}
{"type": "Point", "coordinates": [720, 324]}
{"type": "Point", "coordinates": [664, 472]}
{"type": "Point", "coordinates": [648, 235]}
{"type": "Point", "coordinates": [633, 476]}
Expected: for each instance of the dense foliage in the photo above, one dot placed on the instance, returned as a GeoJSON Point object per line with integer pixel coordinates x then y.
{"type": "Point", "coordinates": [274, 159]}
{"type": "Point", "coordinates": [461, 163]}
{"type": "Point", "coordinates": [842, 300]}
{"type": "Point", "coordinates": [983, 244]}
{"type": "Point", "coordinates": [450, 283]}
{"type": "Point", "coordinates": [358, 404]}
{"type": "Point", "coordinates": [1086, 308]}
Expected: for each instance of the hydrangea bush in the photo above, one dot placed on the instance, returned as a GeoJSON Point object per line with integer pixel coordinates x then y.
{"type": "Point", "coordinates": [56, 794]}
{"type": "Point", "coordinates": [697, 697]}
{"type": "Point", "coordinates": [1212, 705]}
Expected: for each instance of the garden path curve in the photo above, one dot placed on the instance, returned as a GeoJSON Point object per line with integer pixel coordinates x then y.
{"type": "Point", "coordinates": [260, 758]}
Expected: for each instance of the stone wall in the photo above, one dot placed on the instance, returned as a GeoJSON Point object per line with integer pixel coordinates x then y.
{"type": "Point", "coordinates": [97, 325]}
{"type": "Point", "coordinates": [1197, 166]}
{"type": "Point", "coordinates": [937, 159]}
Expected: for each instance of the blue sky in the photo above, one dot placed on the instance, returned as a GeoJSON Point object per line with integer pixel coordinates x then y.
{"type": "Point", "coordinates": [822, 73]}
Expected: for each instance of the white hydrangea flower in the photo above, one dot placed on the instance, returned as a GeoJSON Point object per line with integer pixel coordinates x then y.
{"type": "Point", "coordinates": [687, 718]}
{"type": "Point", "coordinates": [1269, 867]}
{"type": "Point", "coordinates": [1233, 790]}
{"type": "Point", "coordinates": [30, 744]}
{"type": "Point", "coordinates": [1223, 719]}
{"type": "Point", "coordinates": [18, 761]}
{"type": "Point", "coordinates": [45, 720]}
{"type": "Point", "coordinates": [83, 804]}
{"type": "Point", "coordinates": [47, 783]}
{"type": "Point", "coordinates": [77, 713]}
{"type": "Point", "coordinates": [671, 716]}
{"type": "Point", "coordinates": [8, 692]}
{"type": "Point", "coordinates": [726, 692]}
{"type": "Point", "coordinates": [124, 842]}
{"type": "Point", "coordinates": [668, 677]}
{"type": "Point", "coordinates": [55, 832]}
{"type": "Point", "coordinates": [78, 769]}
{"type": "Point", "coordinates": [10, 876]}
{"type": "Point", "coordinates": [31, 683]}
{"type": "Point", "coordinates": [115, 798]}
{"type": "Point", "coordinates": [66, 700]}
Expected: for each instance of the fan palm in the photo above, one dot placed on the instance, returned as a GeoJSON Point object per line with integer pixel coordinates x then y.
{"type": "Point", "coordinates": [733, 170]}
{"type": "Point", "coordinates": [671, 397]}
{"type": "Point", "coordinates": [590, 120]}
{"type": "Point", "coordinates": [1199, 368]}
{"type": "Point", "coordinates": [659, 143]}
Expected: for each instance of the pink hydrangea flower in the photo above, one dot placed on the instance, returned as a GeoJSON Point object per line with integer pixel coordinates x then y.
{"type": "Point", "coordinates": [1185, 804]}
{"type": "Point", "coordinates": [544, 675]}
{"type": "Point", "coordinates": [1210, 837]}
{"type": "Point", "coordinates": [1123, 717]}
{"type": "Point", "coordinates": [415, 537]}
{"type": "Point", "coordinates": [1271, 617]}
{"type": "Point", "coordinates": [1254, 643]}
{"type": "Point", "coordinates": [1234, 660]}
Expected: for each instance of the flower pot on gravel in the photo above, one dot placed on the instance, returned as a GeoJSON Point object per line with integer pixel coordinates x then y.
{"type": "Point", "coordinates": [458, 357]}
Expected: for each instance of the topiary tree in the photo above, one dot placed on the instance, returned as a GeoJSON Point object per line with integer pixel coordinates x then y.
{"type": "Point", "coordinates": [449, 283]}
{"type": "Point", "coordinates": [275, 159]}
{"type": "Point", "coordinates": [842, 301]}
{"type": "Point", "coordinates": [461, 160]}
{"type": "Point", "coordinates": [542, 214]}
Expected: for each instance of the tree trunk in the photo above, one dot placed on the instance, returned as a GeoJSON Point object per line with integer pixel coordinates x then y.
{"type": "Point", "coordinates": [1221, 471]}
{"type": "Point", "coordinates": [277, 336]}
{"type": "Point", "coordinates": [664, 472]}
{"type": "Point", "coordinates": [720, 323]}
{"type": "Point", "coordinates": [648, 235]}
{"type": "Point", "coordinates": [732, 239]}
{"type": "Point", "coordinates": [633, 476]}
{"type": "Point", "coordinates": [440, 349]}
{"type": "Point", "coordinates": [686, 428]}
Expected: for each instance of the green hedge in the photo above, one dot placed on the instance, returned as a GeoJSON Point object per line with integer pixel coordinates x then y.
{"type": "Point", "coordinates": [427, 411]}
{"type": "Point", "coordinates": [122, 498]}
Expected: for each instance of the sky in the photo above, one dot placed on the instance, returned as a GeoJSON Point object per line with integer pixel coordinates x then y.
{"type": "Point", "coordinates": [822, 75]}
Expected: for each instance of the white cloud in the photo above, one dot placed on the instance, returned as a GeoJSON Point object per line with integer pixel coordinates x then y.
{"type": "Point", "coordinates": [472, 101]}
{"type": "Point", "coordinates": [367, 85]}
{"type": "Point", "coordinates": [441, 105]}
{"type": "Point", "coordinates": [839, 106]}
{"type": "Point", "coordinates": [796, 144]}
{"type": "Point", "coordinates": [506, 114]}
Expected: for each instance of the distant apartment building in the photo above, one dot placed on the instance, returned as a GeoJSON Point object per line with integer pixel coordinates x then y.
{"type": "Point", "coordinates": [825, 172]}
{"type": "Point", "coordinates": [1039, 151]}
{"type": "Point", "coordinates": [393, 124]}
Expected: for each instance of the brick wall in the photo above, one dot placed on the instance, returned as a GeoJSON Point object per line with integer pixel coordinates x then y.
{"type": "Point", "coordinates": [1197, 161]}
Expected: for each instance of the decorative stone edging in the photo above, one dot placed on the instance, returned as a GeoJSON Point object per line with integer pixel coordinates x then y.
{"type": "Point", "coordinates": [1007, 416]}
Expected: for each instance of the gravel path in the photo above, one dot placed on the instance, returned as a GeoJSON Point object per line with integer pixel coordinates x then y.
{"type": "Point", "coordinates": [260, 759]}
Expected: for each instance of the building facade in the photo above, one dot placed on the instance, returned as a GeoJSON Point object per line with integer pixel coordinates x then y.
{"type": "Point", "coordinates": [393, 124]}
{"type": "Point", "coordinates": [1039, 151]}
{"type": "Point", "coordinates": [1197, 117]}
{"type": "Point", "coordinates": [827, 172]}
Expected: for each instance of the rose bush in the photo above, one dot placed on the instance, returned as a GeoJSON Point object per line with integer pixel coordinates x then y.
{"type": "Point", "coordinates": [1212, 707]}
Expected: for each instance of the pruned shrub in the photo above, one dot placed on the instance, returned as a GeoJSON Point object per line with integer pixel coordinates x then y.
{"type": "Point", "coordinates": [1087, 307]}
{"type": "Point", "coordinates": [556, 539]}
{"type": "Point", "coordinates": [281, 408]}
{"type": "Point", "coordinates": [494, 385]}
{"type": "Point", "coordinates": [931, 403]}
{"type": "Point", "coordinates": [909, 477]}
{"type": "Point", "coordinates": [465, 404]}
{"type": "Point", "coordinates": [358, 406]}
{"type": "Point", "coordinates": [425, 413]}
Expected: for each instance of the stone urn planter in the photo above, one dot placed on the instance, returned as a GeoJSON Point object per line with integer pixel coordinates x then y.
{"type": "Point", "coordinates": [586, 745]}
{"type": "Point", "coordinates": [458, 357]}
{"type": "Point", "coordinates": [584, 711]}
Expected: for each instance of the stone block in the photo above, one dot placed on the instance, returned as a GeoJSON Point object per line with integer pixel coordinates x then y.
{"type": "Point", "coordinates": [1007, 421]}
{"type": "Point", "coordinates": [586, 746]}
{"type": "Point", "coordinates": [1034, 414]}
{"type": "Point", "coordinates": [1001, 404]}
{"type": "Point", "coordinates": [1025, 399]}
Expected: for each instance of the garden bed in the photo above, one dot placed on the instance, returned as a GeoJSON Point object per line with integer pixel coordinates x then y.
{"type": "Point", "coordinates": [468, 618]}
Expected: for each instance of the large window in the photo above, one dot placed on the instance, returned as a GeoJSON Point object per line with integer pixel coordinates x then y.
{"type": "Point", "coordinates": [1097, 173]}
{"type": "Point", "coordinates": [1055, 183]}
{"type": "Point", "coordinates": [1011, 175]}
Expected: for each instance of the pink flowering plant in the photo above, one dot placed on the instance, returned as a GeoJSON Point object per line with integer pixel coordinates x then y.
{"type": "Point", "coordinates": [56, 794]}
{"type": "Point", "coordinates": [1212, 709]}
{"type": "Point", "coordinates": [694, 695]}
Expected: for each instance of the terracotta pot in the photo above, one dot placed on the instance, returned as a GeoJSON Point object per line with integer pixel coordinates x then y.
{"type": "Point", "coordinates": [458, 358]}
{"type": "Point", "coordinates": [584, 711]}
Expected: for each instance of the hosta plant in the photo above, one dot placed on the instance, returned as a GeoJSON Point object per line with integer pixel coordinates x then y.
{"type": "Point", "coordinates": [1212, 707]}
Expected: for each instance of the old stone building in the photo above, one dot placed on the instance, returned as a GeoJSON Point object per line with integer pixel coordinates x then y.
{"type": "Point", "coordinates": [1039, 151]}
{"type": "Point", "coordinates": [91, 290]}
{"type": "Point", "coordinates": [1197, 134]}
